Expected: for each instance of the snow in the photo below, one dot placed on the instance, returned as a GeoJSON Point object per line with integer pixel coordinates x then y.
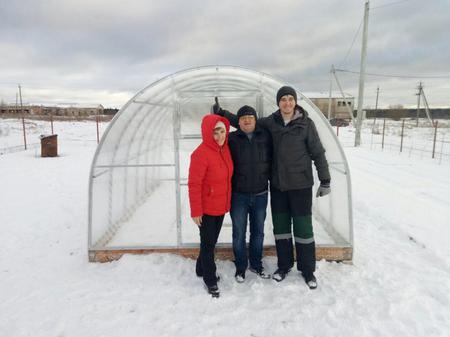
{"type": "Point", "coordinates": [398, 285]}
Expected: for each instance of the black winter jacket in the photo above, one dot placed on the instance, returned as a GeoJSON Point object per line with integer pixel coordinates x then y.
{"type": "Point", "coordinates": [295, 146]}
{"type": "Point", "coordinates": [252, 160]}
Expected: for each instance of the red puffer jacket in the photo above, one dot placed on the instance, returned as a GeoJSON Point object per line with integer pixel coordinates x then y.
{"type": "Point", "coordinates": [210, 172]}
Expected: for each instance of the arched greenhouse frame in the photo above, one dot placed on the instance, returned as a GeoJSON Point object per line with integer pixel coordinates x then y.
{"type": "Point", "coordinates": [138, 197]}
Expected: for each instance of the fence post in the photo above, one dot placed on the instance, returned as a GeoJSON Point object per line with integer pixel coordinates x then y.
{"type": "Point", "coordinates": [51, 121]}
{"type": "Point", "coordinates": [337, 130]}
{"type": "Point", "coordinates": [442, 149]}
{"type": "Point", "coordinates": [382, 139]}
{"type": "Point", "coordinates": [401, 137]}
{"type": "Point", "coordinates": [434, 139]}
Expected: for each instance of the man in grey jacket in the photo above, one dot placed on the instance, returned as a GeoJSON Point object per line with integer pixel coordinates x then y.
{"type": "Point", "coordinates": [296, 144]}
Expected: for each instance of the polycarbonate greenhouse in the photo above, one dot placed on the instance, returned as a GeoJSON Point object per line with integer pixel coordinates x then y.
{"type": "Point", "coordinates": [138, 196]}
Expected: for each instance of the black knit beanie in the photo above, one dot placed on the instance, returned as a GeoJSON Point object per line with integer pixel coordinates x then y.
{"type": "Point", "coordinates": [286, 91]}
{"type": "Point", "coordinates": [246, 110]}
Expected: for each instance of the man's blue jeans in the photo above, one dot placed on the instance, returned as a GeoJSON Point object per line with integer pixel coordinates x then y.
{"type": "Point", "coordinates": [244, 206]}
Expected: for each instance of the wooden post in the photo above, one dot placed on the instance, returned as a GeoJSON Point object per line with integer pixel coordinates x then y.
{"type": "Point", "coordinates": [382, 139]}
{"type": "Point", "coordinates": [23, 120]}
{"type": "Point", "coordinates": [337, 130]}
{"type": "Point", "coordinates": [51, 121]}
{"type": "Point", "coordinates": [401, 137]}
{"type": "Point", "coordinates": [376, 109]}
{"type": "Point", "coordinates": [17, 104]}
{"type": "Point", "coordinates": [434, 140]}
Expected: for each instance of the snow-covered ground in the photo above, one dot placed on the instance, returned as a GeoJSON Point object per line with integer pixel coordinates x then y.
{"type": "Point", "coordinates": [399, 284]}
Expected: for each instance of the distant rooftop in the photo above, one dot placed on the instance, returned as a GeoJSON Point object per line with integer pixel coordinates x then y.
{"type": "Point", "coordinates": [60, 105]}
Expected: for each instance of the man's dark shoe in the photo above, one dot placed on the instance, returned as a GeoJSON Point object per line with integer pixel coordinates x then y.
{"type": "Point", "coordinates": [260, 272]}
{"type": "Point", "coordinates": [280, 274]}
{"type": "Point", "coordinates": [310, 280]}
{"type": "Point", "coordinates": [213, 290]}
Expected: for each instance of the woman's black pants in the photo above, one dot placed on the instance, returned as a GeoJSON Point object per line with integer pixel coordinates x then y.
{"type": "Point", "coordinates": [209, 233]}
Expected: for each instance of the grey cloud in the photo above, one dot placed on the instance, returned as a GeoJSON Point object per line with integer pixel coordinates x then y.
{"type": "Point", "coordinates": [121, 47]}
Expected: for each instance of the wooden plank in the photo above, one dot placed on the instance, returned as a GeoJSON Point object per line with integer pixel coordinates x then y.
{"type": "Point", "coordinates": [223, 253]}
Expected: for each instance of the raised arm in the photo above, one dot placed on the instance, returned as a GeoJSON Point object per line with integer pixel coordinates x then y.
{"type": "Point", "coordinates": [234, 120]}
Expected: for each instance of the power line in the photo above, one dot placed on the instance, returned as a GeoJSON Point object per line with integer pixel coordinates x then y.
{"type": "Point", "coordinates": [390, 4]}
{"type": "Point", "coordinates": [392, 75]}
{"type": "Point", "coordinates": [354, 39]}
{"type": "Point", "coordinates": [360, 24]}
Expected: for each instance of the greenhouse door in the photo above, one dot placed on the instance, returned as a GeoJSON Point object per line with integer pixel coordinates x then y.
{"type": "Point", "coordinates": [188, 112]}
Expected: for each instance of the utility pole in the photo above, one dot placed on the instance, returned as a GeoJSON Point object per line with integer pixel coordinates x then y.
{"type": "Point", "coordinates": [23, 120]}
{"type": "Point", "coordinates": [418, 103]}
{"type": "Point", "coordinates": [349, 109]}
{"type": "Point", "coordinates": [427, 108]}
{"type": "Point", "coordinates": [376, 101]}
{"type": "Point", "coordinates": [362, 71]}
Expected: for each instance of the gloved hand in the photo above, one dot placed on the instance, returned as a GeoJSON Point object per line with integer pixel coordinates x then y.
{"type": "Point", "coordinates": [323, 189]}
{"type": "Point", "coordinates": [217, 110]}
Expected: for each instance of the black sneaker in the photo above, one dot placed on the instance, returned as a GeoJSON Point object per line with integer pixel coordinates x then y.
{"type": "Point", "coordinates": [213, 290]}
{"type": "Point", "coordinates": [280, 274]}
{"type": "Point", "coordinates": [260, 272]}
{"type": "Point", "coordinates": [310, 280]}
{"type": "Point", "coordinates": [239, 276]}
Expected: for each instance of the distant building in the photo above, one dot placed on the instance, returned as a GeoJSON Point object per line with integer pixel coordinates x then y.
{"type": "Point", "coordinates": [77, 110]}
{"type": "Point", "coordinates": [339, 104]}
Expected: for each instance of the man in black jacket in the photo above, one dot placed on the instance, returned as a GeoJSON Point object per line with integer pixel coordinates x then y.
{"type": "Point", "coordinates": [296, 144]}
{"type": "Point", "coordinates": [251, 150]}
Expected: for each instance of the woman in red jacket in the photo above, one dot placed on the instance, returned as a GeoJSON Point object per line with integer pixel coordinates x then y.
{"type": "Point", "coordinates": [210, 192]}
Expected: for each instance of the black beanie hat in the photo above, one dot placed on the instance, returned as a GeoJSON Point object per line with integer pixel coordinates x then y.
{"type": "Point", "coordinates": [246, 110]}
{"type": "Point", "coordinates": [286, 91]}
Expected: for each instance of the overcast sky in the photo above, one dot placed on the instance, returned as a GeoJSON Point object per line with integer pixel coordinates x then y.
{"type": "Point", "coordinates": [104, 51]}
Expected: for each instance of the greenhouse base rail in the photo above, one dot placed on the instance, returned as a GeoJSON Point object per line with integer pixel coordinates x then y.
{"type": "Point", "coordinates": [223, 252]}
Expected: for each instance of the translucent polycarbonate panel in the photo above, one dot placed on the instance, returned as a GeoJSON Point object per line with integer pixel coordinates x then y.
{"type": "Point", "coordinates": [129, 197]}
{"type": "Point", "coordinates": [139, 229]}
{"type": "Point", "coordinates": [138, 183]}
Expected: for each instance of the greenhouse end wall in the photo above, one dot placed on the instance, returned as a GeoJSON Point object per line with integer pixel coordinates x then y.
{"type": "Point", "coordinates": [138, 198]}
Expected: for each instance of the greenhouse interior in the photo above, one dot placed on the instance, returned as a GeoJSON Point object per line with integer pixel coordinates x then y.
{"type": "Point", "coordinates": [138, 194]}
